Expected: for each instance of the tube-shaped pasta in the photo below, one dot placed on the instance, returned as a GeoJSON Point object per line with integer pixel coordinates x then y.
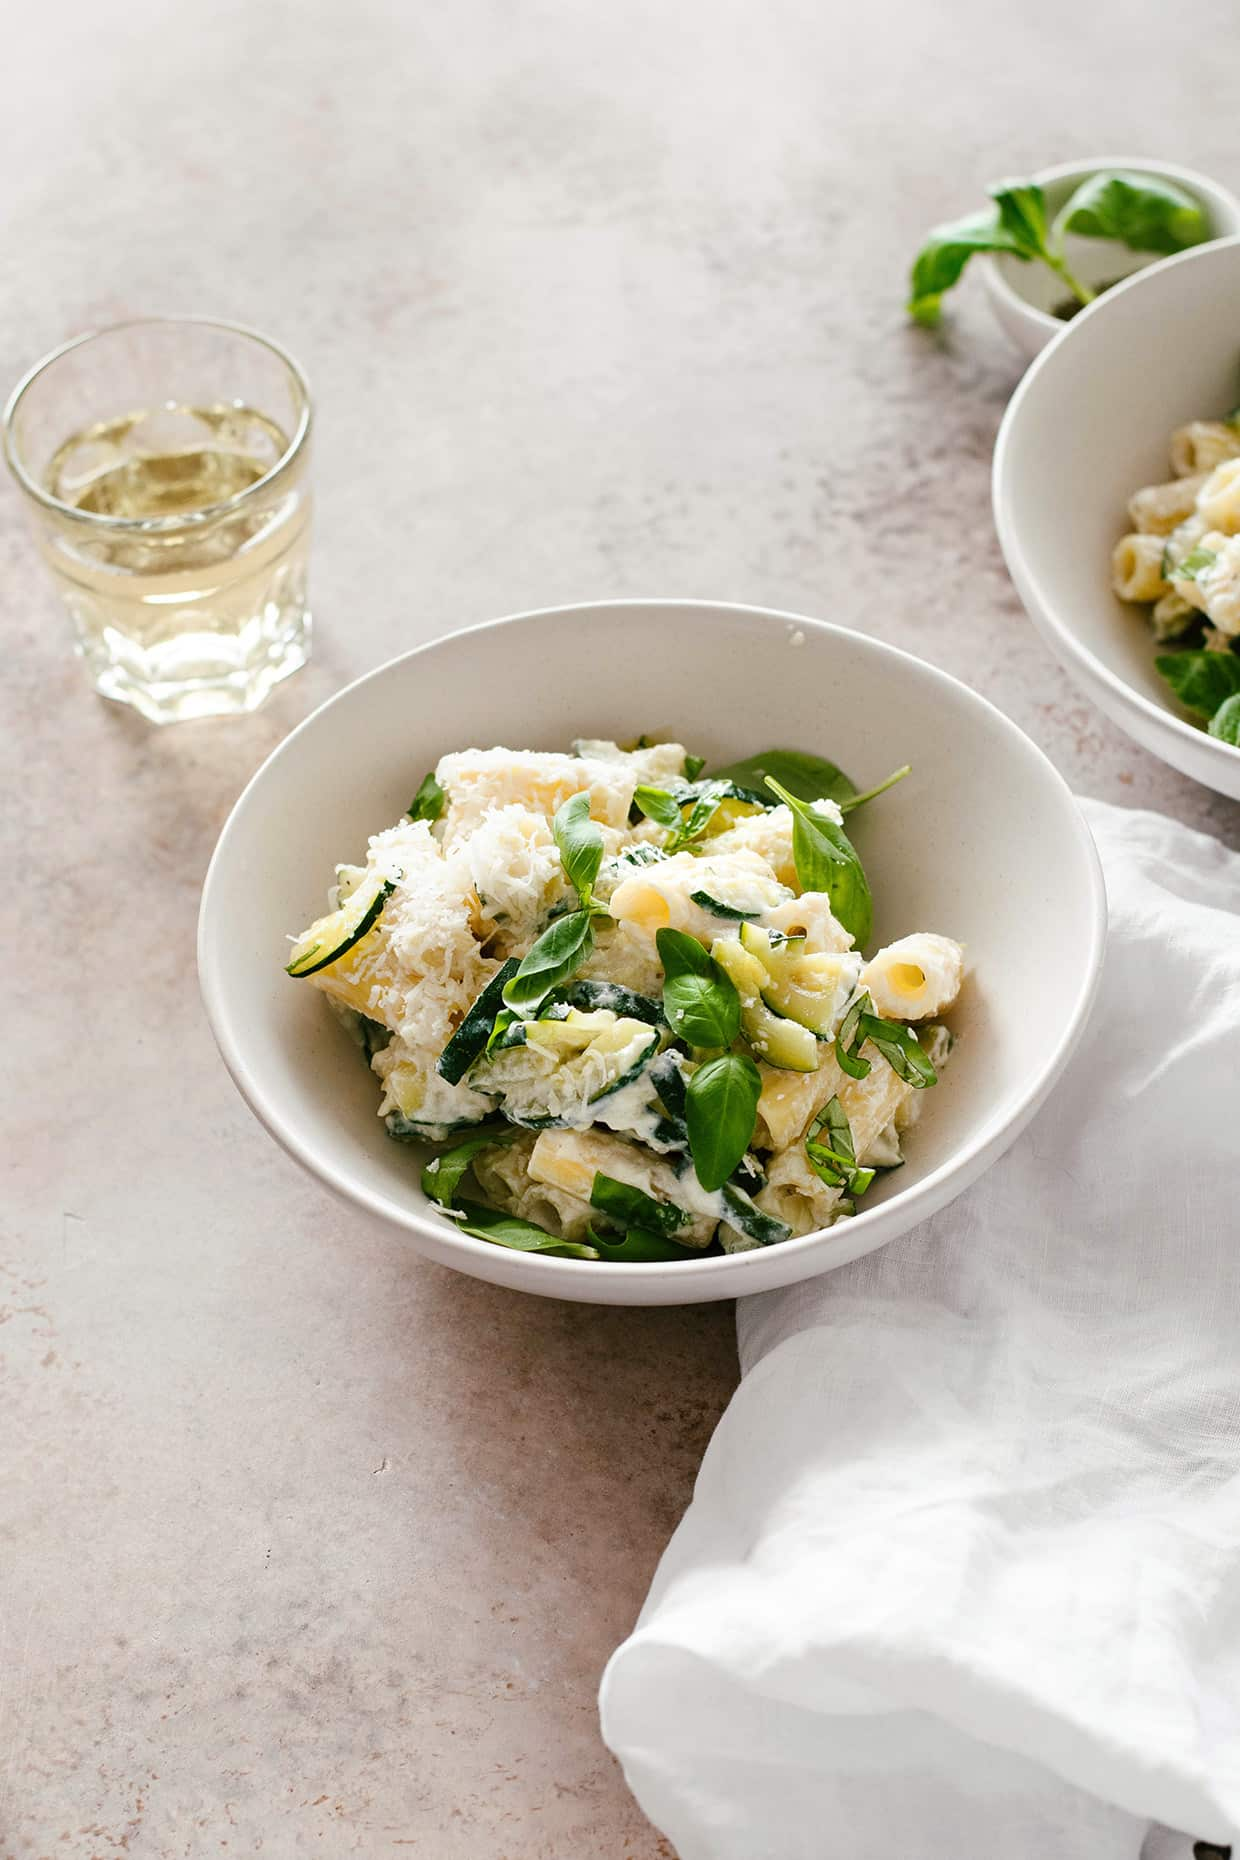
{"type": "Point", "coordinates": [1158, 508]}
{"type": "Point", "coordinates": [916, 977]}
{"type": "Point", "coordinates": [1219, 498]}
{"type": "Point", "coordinates": [567, 1160]}
{"type": "Point", "coordinates": [1136, 567]}
{"type": "Point", "coordinates": [793, 1193]}
{"type": "Point", "coordinates": [1201, 445]}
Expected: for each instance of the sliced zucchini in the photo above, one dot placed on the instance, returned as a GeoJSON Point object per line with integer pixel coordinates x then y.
{"type": "Point", "coordinates": [410, 1130]}
{"type": "Point", "coordinates": [564, 1067]}
{"type": "Point", "coordinates": [470, 1038]}
{"type": "Point", "coordinates": [374, 1035]}
{"type": "Point", "coordinates": [749, 1174]}
{"type": "Point", "coordinates": [590, 995]}
{"type": "Point", "coordinates": [667, 1076]}
{"type": "Point", "coordinates": [783, 1043]}
{"type": "Point", "coordinates": [331, 937]}
{"type": "Point", "coordinates": [718, 908]}
{"type": "Point", "coordinates": [766, 1229]}
{"type": "Point", "coordinates": [810, 989]}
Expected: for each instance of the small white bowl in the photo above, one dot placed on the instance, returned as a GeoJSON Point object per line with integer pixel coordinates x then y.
{"type": "Point", "coordinates": [1023, 295]}
{"type": "Point", "coordinates": [982, 841]}
{"type": "Point", "coordinates": [1090, 423]}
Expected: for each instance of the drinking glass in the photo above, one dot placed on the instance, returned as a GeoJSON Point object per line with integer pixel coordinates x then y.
{"type": "Point", "coordinates": [165, 466]}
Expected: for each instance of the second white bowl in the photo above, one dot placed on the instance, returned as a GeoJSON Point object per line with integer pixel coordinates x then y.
{"type": "Point", "coordinates": [1090, 423]}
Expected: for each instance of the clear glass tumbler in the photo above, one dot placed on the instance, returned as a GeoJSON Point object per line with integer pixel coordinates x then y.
{"type": "Point", "coordinates": [165, 463]}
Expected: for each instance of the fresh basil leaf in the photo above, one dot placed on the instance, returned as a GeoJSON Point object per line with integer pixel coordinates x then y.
{"type": "Point", "coordinates": [442, 1175]}
{"type": "Point", "coordinates": [1022, 216]}
{"type": "Point", "coordinates": [1193, 564]}
{"type": "Point", "coordinates": [810, 778]}
{"type": "Point", "coordinates": [659, 805]}
{"type": "Point", "coordinates": [558, 953]}
{"type": "Point", "coordinates": [849, 1039]}
{"type": "Point", "coordinates": [721, 1104]}
{"type": "Point", "coordinates": [474, 1032]}
{"type": "Point", "coordinates": [826, 860]}
{"type": "Point", "coordinates": [835, 1160]}
{"type": "Point", "coordinates": [898, 1045]}
{"type": "Point", "coordinates": [945, 254]}
{"type": "Point", "coordinates": [901, 1049]}
{"type": "Point", "coordinates": [641, 1247]}
{"type": "Point", "coordinates": [505, 1020]}
{"type": "Point", "coordinates": [522, 1236]}
{"type": "Point", "coordinates": [631, 1207]}
{"type": "Point", "coordinates": [694, 766]}
{"type": "Point", "coordinates": [580, 843]}
{"type": "Point", "coordinates": [700, 1002]}
{"type": "Point", "coordinates": [428, 802]}
{"type": "Point", "coordinates": [1203, 681]}
{"type": "Point", "coordinates": [1225, 723]}
{"type": "Point", "coordinates": [705, 806]}
{"type": "Point", "coordinates": [1138, 210]}
{"type": "Point", "coordinates": [859, 800]}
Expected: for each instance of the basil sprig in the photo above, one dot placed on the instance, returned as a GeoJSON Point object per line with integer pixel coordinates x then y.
{"type": "Point", "coordinates": [556, 955]}
{"type": "Point", "coordinates": [1202, 680]}
{"type": "Point", "coordinates": [810, 778]}
{"type": "Point", "coordinates": [632, 1207]}
{"type": "Point", "coordinates": [898, 1045]}
{"type": "Point", "coordinates": [428, 802]}
{"type": "Point", "coordinates": [826, 860]}
{"type": "Point", "coordinates": [700, 1002]}
{"type": "Point", "coordinates": [666, 806]}
{"type": "Point", "coordinates": [721, 1104]}
{"type": "Point", "coordinates": [855, 801]}
{"type": "Point", "coordinates": [521, 1236]}
{"type": "Point", "coordinates": [832, 1155]}
{"type": "Point", "coordinates": [1225, 723]}
{"type": "Point", "coordinates": [565, 944]}
{"type": "Point", "coordinates": [1136, 210]}
{"type": "Point", "coordinates": [581, 846]}
{"type": "Point", "coordinates": [442, 1175]}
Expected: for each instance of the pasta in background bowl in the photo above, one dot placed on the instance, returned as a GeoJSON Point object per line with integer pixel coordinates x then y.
{"type": "Point", "coordinates": [1156, 356]}
{"type": "Point", "coordinates": [981, 841]}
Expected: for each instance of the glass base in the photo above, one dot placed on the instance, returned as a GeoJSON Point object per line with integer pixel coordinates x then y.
{"type": "Point", "coordinates": [191, 677]}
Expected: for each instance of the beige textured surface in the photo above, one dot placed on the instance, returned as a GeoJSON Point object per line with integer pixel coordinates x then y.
{"type": "Point", "coordinates": [308, 1547]}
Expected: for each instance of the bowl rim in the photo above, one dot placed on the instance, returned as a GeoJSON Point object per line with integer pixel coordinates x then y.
{"type": "Point", "coordinates": [914, 1204]}
{"type": "Point", "coordinates": [1040, 609]}
{"type": "Point", "coordinates": [1212, 192]}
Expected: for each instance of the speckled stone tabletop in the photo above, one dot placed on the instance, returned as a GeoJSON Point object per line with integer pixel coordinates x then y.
{"type": "Point", "coordinates": [307, 1546]}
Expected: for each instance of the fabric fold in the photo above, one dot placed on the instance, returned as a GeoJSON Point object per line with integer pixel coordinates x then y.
{"type": "Point", "coordinates": [962, 1570]}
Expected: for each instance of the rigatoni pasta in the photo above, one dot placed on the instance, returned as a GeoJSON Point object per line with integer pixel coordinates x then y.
{"type": "Point", "coordinates": [630, 1002]}
{"type": "Point", "coordinates": [1182, 561]}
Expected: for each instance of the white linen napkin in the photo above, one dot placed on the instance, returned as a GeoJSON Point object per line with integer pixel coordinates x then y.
{"type": "Point", "coordinates": [961, 1576]}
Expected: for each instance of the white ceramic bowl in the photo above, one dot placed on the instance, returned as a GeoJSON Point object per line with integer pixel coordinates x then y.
{"type": "Point", "coordinates": [1088, 425]}
{"type": "Point", "coordinates": [1024, 296]}
{"type": "Point", "coordinates": [982, 841]}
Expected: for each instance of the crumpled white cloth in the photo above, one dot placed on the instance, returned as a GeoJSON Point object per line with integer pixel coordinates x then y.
{"type": "Point", "coordinates": [961, 1576]}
